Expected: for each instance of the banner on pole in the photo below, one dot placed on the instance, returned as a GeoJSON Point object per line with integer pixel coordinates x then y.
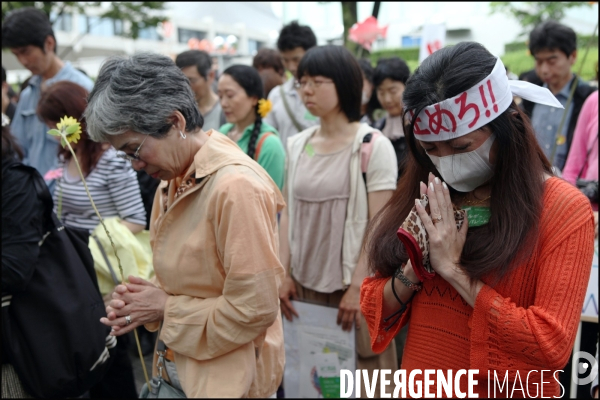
{"type": "Point", "coordinates": [433, 39]}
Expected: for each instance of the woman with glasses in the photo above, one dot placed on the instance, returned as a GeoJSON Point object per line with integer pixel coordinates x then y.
{"type": "Point", "coordinates": [213, 228]}
{"type": "Point", "coordinates": [329, 200]}
{"type": "Point", "coordinates": [114, 187]}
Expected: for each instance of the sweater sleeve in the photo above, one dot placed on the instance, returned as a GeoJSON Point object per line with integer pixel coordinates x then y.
{"type": "Point", "coordinates": [243, 214]}
{"type": "Point", "coordinates": [371, 305]}
{"type": "Point", "coordinates": [505, 334]}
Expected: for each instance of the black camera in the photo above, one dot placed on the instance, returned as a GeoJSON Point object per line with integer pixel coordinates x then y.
{"type": "Point", "coordinates": [589, 188]}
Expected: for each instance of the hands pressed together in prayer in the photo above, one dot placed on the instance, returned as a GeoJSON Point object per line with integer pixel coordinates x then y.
{"type": "Point", "coordinates": [446, 243]}
{"type": "Point", "coordinates": [136, 303]}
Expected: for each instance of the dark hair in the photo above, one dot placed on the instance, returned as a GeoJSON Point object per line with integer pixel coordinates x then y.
{"type": "Point", "coordinates": [393, 68]}
{"type": "Point", "coordinates": [268, 58]}
{"type": "Point", "coordinates": [367, 69]}
{"type": "Point", "coordinates": [270, 80]}
{"type": "Point", "coordinates": [66, 98]}
{"type": "Point", "coordinates": [517, 185]}
{"type": "Point", "coordinates": [551, 35]}
{"type": "Point", "coordinates": [249, 79]}
{"type": "Point", "coordinates": [3, 74]}
{"type": "Point", "coordinates": [532, 77]}
{"type": "Point", "coordinates": [294, 35]}
{"type": "Point", "coordinates": [10, 146]}
{"type": "Point", "coordinates": [199, 58]}
{"type": "Point", "coordinates": [338, 64]}
{"type": "Point", "coordinates": [26, 26]}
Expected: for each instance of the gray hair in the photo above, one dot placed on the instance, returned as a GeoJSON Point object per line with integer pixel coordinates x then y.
{"type": "Point", "coordinates": [139, 93]}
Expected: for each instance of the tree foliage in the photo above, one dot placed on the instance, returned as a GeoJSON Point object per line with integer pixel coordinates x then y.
{"type": "Point", "coordinates": [139, 14]}
{"type": "Point", "coordinates": [532, 13]}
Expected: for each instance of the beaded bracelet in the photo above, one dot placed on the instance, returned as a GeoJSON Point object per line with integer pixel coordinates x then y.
{"type": "Point", "coordinates": [413, 286]}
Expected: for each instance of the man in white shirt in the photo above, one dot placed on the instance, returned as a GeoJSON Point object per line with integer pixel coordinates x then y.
{"type": "Point", "coordinates": [289, 115]}
{"type": "Point", "coordinates": [196, 65]}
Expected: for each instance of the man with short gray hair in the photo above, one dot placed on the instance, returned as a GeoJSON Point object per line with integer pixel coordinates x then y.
{"type": "Point", "coordinates": [196, 65]}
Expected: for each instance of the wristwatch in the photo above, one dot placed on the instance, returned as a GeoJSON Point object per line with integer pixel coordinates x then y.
{"type": "Point", "coordinates": [413, 286]}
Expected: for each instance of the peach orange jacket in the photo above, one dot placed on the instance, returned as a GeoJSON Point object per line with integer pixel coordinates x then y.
{"type": "Point", "coordinates": [215, 253]}
{"type": "Point", "coordinates": [526, 322]}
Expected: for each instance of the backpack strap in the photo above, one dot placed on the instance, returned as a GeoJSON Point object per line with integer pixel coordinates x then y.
{"type": "Point", "coordinates": [297, 124]}
{"type": "Point", "coordinates": [260, 144]}
{"type": "Point", "coordinates": [366, 148]}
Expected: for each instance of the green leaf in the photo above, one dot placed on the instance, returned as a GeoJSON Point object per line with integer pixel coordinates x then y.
{"type": "Point", "coordinates": [72, 129]}
{"type": "Point", "coordinates": [54, 132]}
{"type": "Point", "coordinates": [63, 141]}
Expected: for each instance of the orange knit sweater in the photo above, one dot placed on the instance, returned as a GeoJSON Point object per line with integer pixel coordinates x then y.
{"type": "Point", "coordinates": [526, 322]}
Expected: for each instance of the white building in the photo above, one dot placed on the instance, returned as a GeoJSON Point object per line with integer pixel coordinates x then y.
{"type": "Point", "coordinates": [86, 41]}
{"type": "Point", "coordinates": [252, 25]}
{"type": "Point", "coordinates": [463, 20]}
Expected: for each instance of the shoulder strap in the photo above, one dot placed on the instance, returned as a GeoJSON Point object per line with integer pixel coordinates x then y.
{"type": "Point", "coordinates": [260, 144]}
{"type": "Point", "coordinates": [110, 267]}
{"type": "Point", "coordinates": [366, 148]}
{"type": "Point", "coordinates": [299, 127]}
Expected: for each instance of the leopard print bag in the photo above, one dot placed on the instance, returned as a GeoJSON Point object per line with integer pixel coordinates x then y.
{"type": "Point", "coordinates": [414, 236]}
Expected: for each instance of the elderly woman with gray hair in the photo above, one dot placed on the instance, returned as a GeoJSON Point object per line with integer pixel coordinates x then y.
{"type": "Point", "coordinates": [213, 235]}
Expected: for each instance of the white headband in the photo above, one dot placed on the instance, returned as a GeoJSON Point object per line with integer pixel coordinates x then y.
{"type": "Point", "coordinates": [477, 106]}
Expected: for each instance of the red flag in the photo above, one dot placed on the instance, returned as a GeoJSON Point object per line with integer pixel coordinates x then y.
{"type": "Point", "coordinates": [366, 32]}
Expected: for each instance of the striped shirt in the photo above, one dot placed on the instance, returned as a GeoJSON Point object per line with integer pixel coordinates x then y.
{"type": "Point", "coordinates": [114, 188]}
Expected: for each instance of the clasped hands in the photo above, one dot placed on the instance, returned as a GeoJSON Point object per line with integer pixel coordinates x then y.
{"type": "Point", "coordinates": [445, 241]}
{"type": "Point", "coordinates": [139, 300]}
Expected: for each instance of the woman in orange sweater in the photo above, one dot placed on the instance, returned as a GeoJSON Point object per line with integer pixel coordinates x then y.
{"type": "Point", "coordinates": [504, 291]}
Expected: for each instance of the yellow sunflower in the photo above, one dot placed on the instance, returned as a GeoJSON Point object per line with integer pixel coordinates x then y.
{"type": "Point", "coordinates": [264, 107]}
{"type": "Point", "coordinates": [70, 128]}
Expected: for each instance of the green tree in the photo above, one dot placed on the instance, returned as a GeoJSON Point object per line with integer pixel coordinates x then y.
{"type": "Point", "coordinates": [139, 14]}
{"type": "Point", "coordinates": [532, 13]}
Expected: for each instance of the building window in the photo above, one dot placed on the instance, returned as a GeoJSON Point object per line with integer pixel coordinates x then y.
{"type": "Point", "coordinates": [254, 46]}
{"type": "Point", "coordinates": [411, 41]}
{"type": "Point", "coordinates": [184, 35]}
{"type": "Point", "coordinates": [97, 26]}
{"type": "Point", "coordinates": [149, 33]}
{"type": "Point", "coordinates": [63, 23]}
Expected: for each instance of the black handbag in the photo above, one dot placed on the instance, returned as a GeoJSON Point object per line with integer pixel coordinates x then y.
{"type": "Point", "coordinates": [51, 331]}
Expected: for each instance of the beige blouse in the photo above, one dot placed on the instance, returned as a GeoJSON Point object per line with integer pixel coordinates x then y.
{"type": "Point", "coordinates": [321, 191]}
{"type": "Point", "coordinates": [215, 247]}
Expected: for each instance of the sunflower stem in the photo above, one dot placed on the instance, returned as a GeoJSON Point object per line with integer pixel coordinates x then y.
{"type": "Point", "coordinates": [94, 206]}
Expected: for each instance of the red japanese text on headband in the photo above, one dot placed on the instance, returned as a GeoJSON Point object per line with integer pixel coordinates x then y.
{"type": "Point", "coordinates": [477, 106]}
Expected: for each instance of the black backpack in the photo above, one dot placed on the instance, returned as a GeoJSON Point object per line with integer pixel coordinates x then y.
{"type": "Point", "coordinates": [51, 332]}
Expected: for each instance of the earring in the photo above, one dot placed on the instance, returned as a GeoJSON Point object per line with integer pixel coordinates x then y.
{"type": "Point", "coordinates": [183, 136]}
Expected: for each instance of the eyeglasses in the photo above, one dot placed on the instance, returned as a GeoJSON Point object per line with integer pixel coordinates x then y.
{"type": "Point", "coordinates": [135, 156]}
{"type": "Point", "coordinates": [311, 83]}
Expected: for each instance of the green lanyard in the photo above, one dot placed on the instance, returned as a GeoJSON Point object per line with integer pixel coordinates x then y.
{"type": "Point", "coordinates": [477, 216]}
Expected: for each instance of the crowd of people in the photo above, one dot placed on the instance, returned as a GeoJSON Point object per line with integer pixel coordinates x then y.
{"type": "Point", "coordinates": [230, 196]}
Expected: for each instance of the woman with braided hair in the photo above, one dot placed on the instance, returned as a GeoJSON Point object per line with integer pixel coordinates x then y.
{"type": "Point", "coordinates": [240, 92]}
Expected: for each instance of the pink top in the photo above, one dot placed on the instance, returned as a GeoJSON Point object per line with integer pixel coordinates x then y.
{"type": "Point", "coordinates": [584, 139]}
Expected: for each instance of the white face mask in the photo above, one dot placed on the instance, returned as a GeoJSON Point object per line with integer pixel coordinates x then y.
{"type": "Point", "coordinates": [467, 171]}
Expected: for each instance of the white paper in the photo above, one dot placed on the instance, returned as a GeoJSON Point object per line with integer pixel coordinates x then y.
{"type": "Point", "coordinates": [310, 341]}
